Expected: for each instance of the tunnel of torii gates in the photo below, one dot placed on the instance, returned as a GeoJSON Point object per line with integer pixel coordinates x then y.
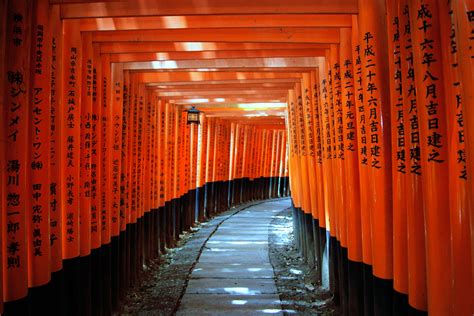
{"type": "Point", "coordinates": [367, 106]}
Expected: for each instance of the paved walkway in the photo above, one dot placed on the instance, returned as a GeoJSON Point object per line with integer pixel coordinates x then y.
{"type": "Point", "coordinates": [233, 275]}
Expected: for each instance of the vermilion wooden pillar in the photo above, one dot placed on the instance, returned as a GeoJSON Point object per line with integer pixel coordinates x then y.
{"type": "Point", "coordinates": [116, 103]}
{"type": "Point", "coordinates": [162, 147]}
{"type": "Point", "coordinates": [194, 172]}
{"type": "Point", "coordinates": [167, 157]}
{"type": "Point", "coordinates": [331, 144]}
{"type": "Point", "coordinates": [318, 132]}
{"type": "Point", "coordinates": [70, 107]}
{"type": "Point", "coordinates": [308, 115]}
{"type": "Point", "coordinates": [38, 190]}
{"type": "Point", "coordinates": [374, 55]}
{"type": "Point", "coordinates": [3, 19]}
{"type": "Point", "coordinates": [16, 87]}
{"type": "Point", "coordinates": [133, 127]}
{"type": "Point", "coordinates": [85, 173]}
{"type": "Point", "coordinates": [414, 205]}
{"type": "Point", "coordinates": [71, 103]}
{"type": "Point", "coordinates": [106, 157]}
{"type": "Point", "coordinates": [326, 141]}
{"type": "Point", "coordinates": [294, 150]}
{"type": "Point", "coordinates": [362, 118]}
{"type": "Point", "coordinates": [162, 175]}
{"type": "Point", "coordinates": [125, 177]}
{"type": "Point", "coordinates": [352, 186]}
{"type": "Point", "coordinates": [429, 78]}
{"type": "Point", "coordinates": [300, 181]}
{"type": "Point", "coordinates": [86, 143]}
{"type": "Point", "coordinates": [398, 149]}
{"type": "Point", "coordinates": [56, 187]}
{"type": "Point", "coordinates": [462, 291]}
{"type": "Point", "coordinates": [464, 29]}
{"type": "Point", "coordinates": [96, 150]}
{"type": "Point", "coordinates": [146, 155]}
{"type": "Point", "coordinates": [202, 163]}
{"type": "Point", "coordinates": [303, 151]}
{"type": "Point", "coordinates": [209, 166]}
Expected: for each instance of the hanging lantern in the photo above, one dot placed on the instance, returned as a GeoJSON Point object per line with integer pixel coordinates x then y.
{"type": "Point", "coordinates": [193, 115]}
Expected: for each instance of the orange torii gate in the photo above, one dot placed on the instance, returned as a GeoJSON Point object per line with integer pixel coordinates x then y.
{"type": "Point", "coordinates": [101, 172]}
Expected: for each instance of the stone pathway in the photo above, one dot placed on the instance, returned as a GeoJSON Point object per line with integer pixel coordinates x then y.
{"type": "Point", "coordinates": [233, 275]}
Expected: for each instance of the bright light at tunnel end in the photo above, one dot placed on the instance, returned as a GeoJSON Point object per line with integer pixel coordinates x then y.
{"type": "Point", "coordinates": [198, 100]}
{"type": "Point", "coordinates": [261, 106]}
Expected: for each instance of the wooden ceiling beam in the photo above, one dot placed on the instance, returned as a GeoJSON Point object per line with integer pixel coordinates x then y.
{"type": "Point", "coordinates": [228, 100]}
{"type": "Point", "coordinates": [219, 87]}
{"type": "Point", "coordinates": [222, 93]}
{"type": "Point", "coordinates": [265, 35]}
{"type": "Point", "coordinates": [162, 56]}
{"type": "Point", "coordinates": [267, 95]}
{"type": "Point", "coordinates": [228, 64]}
{"type": "Point", "coordinates": [215, 21]}
{"type": "Point", "coordinates": [236, 69]}
{"type": "Point", "coordinates": [153, 47]}
{"type": "Point", "coordinates": [196, 76]}
{"type": "Point", "coordinates": [133, 8]}
{"type": "Point", "coordinates": [229, 82]}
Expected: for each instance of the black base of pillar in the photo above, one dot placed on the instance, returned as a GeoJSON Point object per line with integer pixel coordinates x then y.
{"type": "Point", "coordinates": [355, 289]}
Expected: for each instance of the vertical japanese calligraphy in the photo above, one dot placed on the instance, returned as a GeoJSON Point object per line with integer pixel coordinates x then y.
{"type": "Point", "coordinates": [351, 168]}
{"type": "Point", "coordinates": [15, 124]}
{"type": "Point", "coordinates": [308, 115]}
{"type": "Point", "coordinates": [316, 100]}
{"type": "Point", "coordinates": [38, 155]}
{"type": "Point", "coordinates": [55, 186]}
{"type": "Point", "coordinates": [433, 144]}
{"type": "Point", "coordinates": [116, 139]}
{"type": "Point", "coordinates": [414, 205]}
{"type": "Point", "coordinates": [106, 149]}
{"type": "Point", "coordinates": [71, 109]}
{"type": "Point", "coordinates": [96, 151]}
{"type": "Point", "coordinates": [398, 149]}
{"type": "Point", "coordinates": [86, 122]}
{"type": "Point", "coordinates": [464, 17]}
{"type": "Point", "coordinates": [373, 44]}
